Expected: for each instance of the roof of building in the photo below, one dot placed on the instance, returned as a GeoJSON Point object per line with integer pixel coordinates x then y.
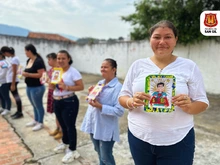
{"type": "Point", "coordinates": [48, 36]}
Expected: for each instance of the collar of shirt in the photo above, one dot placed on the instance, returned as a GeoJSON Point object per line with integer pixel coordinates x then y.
{"type": "Point", "coordinates": [111, 84]}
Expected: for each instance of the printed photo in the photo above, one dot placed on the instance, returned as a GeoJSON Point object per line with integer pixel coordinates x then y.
{"type": "Point", "coordinates": [161, 88]}
{"type": "Point", "coordinates": [95, 92]}
{"type": "Point", "coordinates": [56, 75]}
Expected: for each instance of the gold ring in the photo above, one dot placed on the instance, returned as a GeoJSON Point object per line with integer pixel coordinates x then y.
{"type": "Point", "coordinates": [185, 98]}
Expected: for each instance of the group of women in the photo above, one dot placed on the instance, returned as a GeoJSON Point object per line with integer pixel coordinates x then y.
{"type": "Point", "coordinates": [156, 137]}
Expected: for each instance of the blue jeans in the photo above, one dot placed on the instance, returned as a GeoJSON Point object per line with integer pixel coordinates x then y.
{"type": "Point", "coordinates": [104, 150]}
{"type": "Point", "coordinates": [35, 95]}
{"type": "Point", "coordinates": [66, 111]}
{"type": "Point", "coordinates": [181, 153]}
{"type": "Point", "coordinates": [4, 92]}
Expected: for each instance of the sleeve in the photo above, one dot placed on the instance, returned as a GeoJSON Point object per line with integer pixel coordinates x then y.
{"type": "Point", "coordinates": [39, 64]}
{"type": "Point", "coordinates": [196, 86]}
{"type": "Point", "coordinates": [116, 109]}
{"type": "Point", "coordinates": [127, 85]}
{"type": "Point", "coordinates": [77, 76]}
{"type": "Point", "coordinates": [15, 61]}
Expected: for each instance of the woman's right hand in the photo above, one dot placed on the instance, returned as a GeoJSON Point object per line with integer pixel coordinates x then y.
{"type": "Point", "coordinates": [91, 88]}
{"type": "Point", "coordinates": [25, 74]}
{"type": "Point", "coordinates": [51, 86]}
{"type": "Point", "coordinates": [139, 98]}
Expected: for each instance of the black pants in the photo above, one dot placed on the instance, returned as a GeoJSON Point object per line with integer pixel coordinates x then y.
{"type": "Point", "coordinates": [66, 111]}
{"type": "Point", "coordinates": [16, 96]}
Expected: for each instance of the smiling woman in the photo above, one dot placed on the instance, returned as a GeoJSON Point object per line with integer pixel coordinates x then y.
{"type": "Point", "coordinates": [66, 105]}
{"type": "Point", "coordinates": [160, 136]}
{"type": "Point", "coordinates": [103, 112]}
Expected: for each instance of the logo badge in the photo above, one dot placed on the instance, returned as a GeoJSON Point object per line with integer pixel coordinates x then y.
{"type": "Point", "coordinates": [210, 20]}
{"type": "Point", "coordinates": [209, 25]}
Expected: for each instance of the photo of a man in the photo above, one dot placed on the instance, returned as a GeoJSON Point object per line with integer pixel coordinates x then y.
{"type": "Point", "coordinates": [159, 98]}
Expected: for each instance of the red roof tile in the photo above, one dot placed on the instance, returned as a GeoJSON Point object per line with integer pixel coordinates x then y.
{"type": "Point", "coordinates": [49, 36]}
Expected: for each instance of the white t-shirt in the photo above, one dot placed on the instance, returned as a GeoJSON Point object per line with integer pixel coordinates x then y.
{"type": "Point", "coordinates": [163, 128]}
{"type": "Point", "coordinates": [13, 61]}
{"type": "Point", "coordinates": [69, 77]}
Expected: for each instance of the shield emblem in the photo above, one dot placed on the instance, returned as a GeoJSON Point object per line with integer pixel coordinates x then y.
{"type": "Point", "coordinates": [210, 20]}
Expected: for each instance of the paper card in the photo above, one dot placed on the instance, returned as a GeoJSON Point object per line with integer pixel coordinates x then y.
{"type": "Point", "coordinates": [44, 78]}
{"type": "Point", "coordinates": [95, 92]}
{"type": "Point", "coordinates": [56, 75]}
{"type": "Point", "coordinates": [162, 89]}
{"type": "Point", "coordinates": [19, 71]}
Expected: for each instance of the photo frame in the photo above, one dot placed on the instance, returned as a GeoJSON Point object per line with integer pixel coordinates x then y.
{"type": "Point", "coordinates": [95, 92]}
{"type": "Point", "coordinates": [161, 88]}
{"type": "Point", "coordinates": [44, 78]}
{"type": "Point", "coordinates": [20, 71]}
{"type": "Point", "coordinates": [56, 75]}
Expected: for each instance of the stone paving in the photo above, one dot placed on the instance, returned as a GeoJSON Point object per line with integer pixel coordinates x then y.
{"type": "Point", "coordinates": [19, 145]}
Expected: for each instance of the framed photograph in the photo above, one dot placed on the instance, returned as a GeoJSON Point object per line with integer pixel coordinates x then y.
{"type": "Point", "coordinates": [56, 75]}
{"type": "Point", "coordinates": [44, 78]}
{"type": "Point", "coordinates": [19, 71]}
{"type": "Point", "coordinates": [95, 92]}
{"type": "Point", "coordinates": [162, 89]}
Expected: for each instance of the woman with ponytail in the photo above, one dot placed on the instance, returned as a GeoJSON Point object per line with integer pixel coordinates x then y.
{"type": "Point", "coordinates": [35, 90]}
{"type": "Point", "coordinates": [12, 82]}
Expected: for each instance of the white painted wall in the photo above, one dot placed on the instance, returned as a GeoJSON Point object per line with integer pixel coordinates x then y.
{"type": "Point", "coordinates": [88, 58]}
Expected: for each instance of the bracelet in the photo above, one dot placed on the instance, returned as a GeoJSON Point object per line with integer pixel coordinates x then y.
{"type": "Point", "coordinates": [130, 108]}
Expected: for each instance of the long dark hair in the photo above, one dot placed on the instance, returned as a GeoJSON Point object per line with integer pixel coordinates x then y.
{"type": "Point", "coordinates": [2, 55]}
{"type": "Point", "coordinates": [33, 50]}
{"type": "Point", "coordinates": [7, 49]}
{"type": "Point", "coordinates": [31, 47]}
{"type": "Point", "coordinates": [68, 55]}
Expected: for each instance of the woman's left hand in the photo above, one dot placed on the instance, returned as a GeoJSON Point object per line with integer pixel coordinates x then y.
{"type": "Point", "coordinates": [183, 101]}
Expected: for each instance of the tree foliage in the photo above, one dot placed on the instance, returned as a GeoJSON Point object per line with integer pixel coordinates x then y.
{"type": "Point", "coordinates": [185, 14]}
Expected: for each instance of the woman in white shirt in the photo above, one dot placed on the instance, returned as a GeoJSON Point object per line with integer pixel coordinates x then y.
{"type": "Point", "coordinates": [161, 137]}
{"type": "Point", "coordinates": [12, 81]}
{"type": "Point", "coordinates": [66, 105]}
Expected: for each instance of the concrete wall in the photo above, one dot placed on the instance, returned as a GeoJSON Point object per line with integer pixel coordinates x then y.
{"type": "Point", "coordinates": [88, 58]}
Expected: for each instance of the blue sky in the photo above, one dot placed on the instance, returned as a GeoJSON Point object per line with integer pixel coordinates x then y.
{"type": "Point", "coordinates": [80, 18]}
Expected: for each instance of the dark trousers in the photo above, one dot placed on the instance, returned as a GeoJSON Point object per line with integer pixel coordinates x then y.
{"type": "Point", "coordinates": [181, 153]}
{"type": "Point", "coordinates": [66, 111]}
{"type": "Point", "coordinates": [5, 99]}
{"type": "Point", "coordinates": [16, 97]}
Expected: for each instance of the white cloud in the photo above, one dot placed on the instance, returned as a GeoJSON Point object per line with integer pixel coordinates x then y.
{"type": "Point", "coordinates": [80, 18]}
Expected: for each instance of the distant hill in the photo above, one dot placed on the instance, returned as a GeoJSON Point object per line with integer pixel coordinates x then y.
{"type": "Point", "coordinates": [69, 37]}
{"type": "Point", "coordinates": [18, 31]}
{"type": "Point", "coordinates": [13, 30]}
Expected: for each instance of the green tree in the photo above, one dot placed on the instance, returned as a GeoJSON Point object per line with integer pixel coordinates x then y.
{"type": "Point", "coordinates": [185, 14]}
